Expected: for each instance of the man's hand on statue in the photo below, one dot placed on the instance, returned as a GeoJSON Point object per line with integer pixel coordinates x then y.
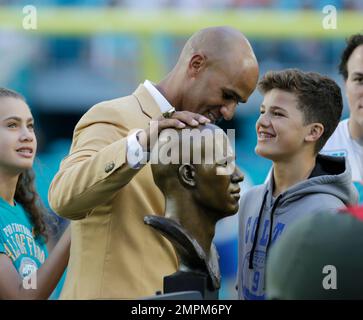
{"type": "Point", "coordinates": [178, 120]}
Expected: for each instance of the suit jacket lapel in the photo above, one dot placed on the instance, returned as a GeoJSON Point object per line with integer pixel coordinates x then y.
{"type": "Point", "coordinates": [147, 103]}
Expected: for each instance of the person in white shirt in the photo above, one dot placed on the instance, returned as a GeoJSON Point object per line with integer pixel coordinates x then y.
{"type": "Point", "coordinates": [347, 140]}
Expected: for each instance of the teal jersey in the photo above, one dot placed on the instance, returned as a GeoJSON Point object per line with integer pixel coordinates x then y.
{"type": "Point", "coordinates": [17, 240]}
{"type": "Point", "coordinates": [359, 186]}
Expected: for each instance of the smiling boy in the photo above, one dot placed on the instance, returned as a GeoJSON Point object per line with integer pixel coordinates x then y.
{"type": "Point", "coordinates": [298, 114]}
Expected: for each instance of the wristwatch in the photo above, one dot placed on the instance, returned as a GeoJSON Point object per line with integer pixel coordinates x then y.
{"type": "Point", "coordinates": [169, 113]}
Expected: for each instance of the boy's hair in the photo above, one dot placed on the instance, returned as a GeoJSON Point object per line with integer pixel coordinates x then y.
{"type": "Point", "coordinates": [353, 42]}
{"type": "Point", "coordinates": [319, 97]}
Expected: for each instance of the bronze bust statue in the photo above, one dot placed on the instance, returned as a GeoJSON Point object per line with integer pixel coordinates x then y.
{"type": "Point", "coordinates": [200, 188]}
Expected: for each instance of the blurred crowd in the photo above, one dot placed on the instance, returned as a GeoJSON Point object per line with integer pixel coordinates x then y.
{"type": "Point", "coordinates": [203, 4]}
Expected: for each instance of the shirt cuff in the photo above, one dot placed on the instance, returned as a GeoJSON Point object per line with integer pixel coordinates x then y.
{"type": "Point", "coordinates": [136, 156]}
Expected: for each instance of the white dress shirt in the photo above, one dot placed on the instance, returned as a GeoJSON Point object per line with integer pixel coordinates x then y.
{"type": "Point", "coordinates": [136, 156]}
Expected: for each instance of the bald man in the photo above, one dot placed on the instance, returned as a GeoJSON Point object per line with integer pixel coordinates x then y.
{"type": "Point", "coordinates": [105, 185]}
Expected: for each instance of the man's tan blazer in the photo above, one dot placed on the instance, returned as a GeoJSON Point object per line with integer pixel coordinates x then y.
{"type": "Point", "coordinates": [113, 254]}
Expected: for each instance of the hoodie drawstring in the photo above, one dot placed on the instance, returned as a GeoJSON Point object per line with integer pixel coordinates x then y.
{"type": "Point", "coordinates": [272, 221]}
{"type": "Point", "coordinates": [250, 266]}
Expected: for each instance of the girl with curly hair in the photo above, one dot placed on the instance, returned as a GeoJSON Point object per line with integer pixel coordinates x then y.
{"type": "Point", "coordinates": [26, 270]}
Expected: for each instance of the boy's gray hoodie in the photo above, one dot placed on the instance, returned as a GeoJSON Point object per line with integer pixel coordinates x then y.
{"type": "Point", "coordinates": [328, 187]}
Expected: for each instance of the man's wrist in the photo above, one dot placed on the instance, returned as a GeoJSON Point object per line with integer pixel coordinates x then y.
{"type": "Point", "coordinates": [136, 155]}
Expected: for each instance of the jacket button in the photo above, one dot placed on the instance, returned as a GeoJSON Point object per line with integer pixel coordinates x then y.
{"type": "Point", "coordinates": [109, 166]}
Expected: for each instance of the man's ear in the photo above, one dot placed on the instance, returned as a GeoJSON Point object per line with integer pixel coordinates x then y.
{"type": "Point", "coordinates": [187, 175]}
{"type": "Point", "coordinates": [196, 64]}
{"type": "Point", "coordinates": [316, 130]}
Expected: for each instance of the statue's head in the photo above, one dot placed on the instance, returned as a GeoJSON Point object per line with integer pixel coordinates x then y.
{"type": "Point", "coordinates": [201, 162]}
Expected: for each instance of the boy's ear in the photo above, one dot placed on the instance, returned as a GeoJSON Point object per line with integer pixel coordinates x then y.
{"type": "Point", "coordinates": [316, 130]}
{"type": "Point", "coordinates": [187, 175]}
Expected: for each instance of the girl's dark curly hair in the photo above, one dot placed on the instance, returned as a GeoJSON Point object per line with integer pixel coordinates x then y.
{"type": "Point", "coordinates": [27, 196]}
{"type": "Point", "coordinates": [25, 192]}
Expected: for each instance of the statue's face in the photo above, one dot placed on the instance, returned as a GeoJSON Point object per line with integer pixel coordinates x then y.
{"type": "Point", "coordinates": [217, 185]}
{"type": "Point", "coordinates": [208, 172]}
